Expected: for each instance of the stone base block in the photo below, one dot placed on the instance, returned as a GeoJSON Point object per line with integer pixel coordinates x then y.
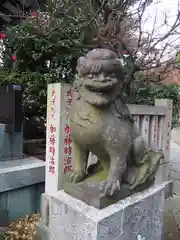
{"type": "Point", "coordinates": [42, 232]}
{"type": "Point", "coordinates": [21, 173]}
{"type": "Point", "coordinates": [45, 201]}
{"type": "Point", "coordinates": [139, 216]}
{"type": "Point", "coordinates": [3, 217]}
{"type": "Point", "coordinates": [21, 185]}
{"type": "Point", "coordinates": [90, 193]}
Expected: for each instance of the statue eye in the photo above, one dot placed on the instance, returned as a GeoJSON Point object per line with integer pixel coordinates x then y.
{"type": "Point", "coordinates": [112, 75]}
{"type": "Point", "coordinates": [90, 76]}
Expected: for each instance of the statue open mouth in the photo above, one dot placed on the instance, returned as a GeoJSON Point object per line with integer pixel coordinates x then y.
{"type": "Point", "coordinates": [100, 87]}
{"type": "Point", "coordinates": [99, 90]}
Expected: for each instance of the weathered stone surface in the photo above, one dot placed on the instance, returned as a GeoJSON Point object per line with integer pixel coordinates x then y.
{"type": "Point", "coordinates": [20, 173]}
{"type": "Point", "coordinates": [4, 221]}
{"type": "Point", "coordinates": [42, 232]}
{"type": "Point", "coordinates": [45, 202]}
{"type": "Point", "coordinates": [139, 216]}
{"type": "Point", "coordinates": [21, 185]}
{"type": "Point", "coordinates": [25, 199]}
{"type": "Point", "coordinates": [143, 219]}
{"type": "Point", "coordinates": [69, 223]}
{"type": "Point", "coordinates": [90, 193]}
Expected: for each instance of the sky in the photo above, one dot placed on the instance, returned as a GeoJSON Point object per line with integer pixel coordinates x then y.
{"type": "Point", "coordinates": [164, 6]}
{"type": "Point", "coordinates": [157, 11]}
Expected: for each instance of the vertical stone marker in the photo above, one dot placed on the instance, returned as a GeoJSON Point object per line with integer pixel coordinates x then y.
{"type": "Point", "coordinates": [154, 133]}
{"type": "Point", "coordinates": [68, 149]}
{"type": "Point", "coordinates": [136, 121]}
{"type": "Point", "coordinates": [59, 149]}
{"type": "Point", "coordinates": [58, 144]}
{"type": "Point", "coordinates": [145, 130]}
{"type": "Point", "coordinates": [166, 128]}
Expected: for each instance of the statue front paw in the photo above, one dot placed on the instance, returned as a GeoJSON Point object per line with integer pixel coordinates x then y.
{"type": "Point", "coordinates": [77, 176]}
{"type": "Point", "coordinates": [110, 188]}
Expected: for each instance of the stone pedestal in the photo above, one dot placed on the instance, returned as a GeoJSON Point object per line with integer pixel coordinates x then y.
{"type": "Point", "coordinates": [138, 217]}
{"type": "Point", "coordinates": [90, 193]}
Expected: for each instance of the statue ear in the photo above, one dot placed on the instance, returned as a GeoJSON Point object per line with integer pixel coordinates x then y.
{"type": "Point", "coordinates": [76, 86]}
{"type": "Point", "coordinates": [81, 65]}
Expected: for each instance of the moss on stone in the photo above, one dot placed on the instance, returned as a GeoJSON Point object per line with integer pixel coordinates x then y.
{"type": "Point", "coordinates": [99, 177]}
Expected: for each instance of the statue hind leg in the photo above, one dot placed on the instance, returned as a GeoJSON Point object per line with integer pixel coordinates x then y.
{"type": "Point", "coordinates": [81, 159]}
{"type": "Point", "coordinates": [144, 167]}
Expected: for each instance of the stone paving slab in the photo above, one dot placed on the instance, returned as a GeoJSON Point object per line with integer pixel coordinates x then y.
{"type": "Point", "coordinates": [172, 219]}
{"type": "Point", "coordinates": [175, 135]}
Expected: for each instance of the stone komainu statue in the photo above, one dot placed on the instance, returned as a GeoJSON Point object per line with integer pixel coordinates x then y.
{"type": "Point", "coordinates": [102, 124]}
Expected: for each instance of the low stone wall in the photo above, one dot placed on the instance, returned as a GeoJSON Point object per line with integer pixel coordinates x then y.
{"type": "Point", "coordinates": [21, 186]}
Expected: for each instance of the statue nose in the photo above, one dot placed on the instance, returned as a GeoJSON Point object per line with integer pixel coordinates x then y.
{"type": "Point", "coordinates": [102, 78]}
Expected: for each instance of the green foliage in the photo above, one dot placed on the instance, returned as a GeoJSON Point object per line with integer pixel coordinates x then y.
{"type": "Point", "coordinates": [46, 50]}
